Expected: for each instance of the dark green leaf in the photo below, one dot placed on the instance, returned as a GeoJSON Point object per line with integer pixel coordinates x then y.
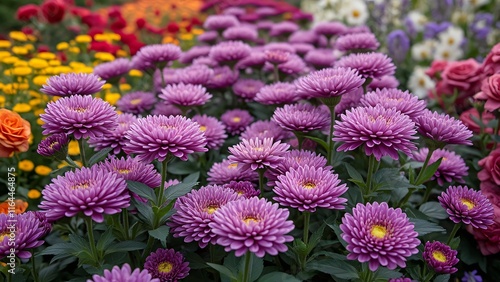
{"type": "Point", "coordinates": [390, 179]}
{"type": "Point", "coordinates": [337, 268]}
{"type": "Point", "coordinates": [181, 189]}
{"type": "Point", "coordinates": [257, 267]}
{"type": "Point", "coordinates": [321, 142]}
{"type": "Point", "coordinates": [182, 167]}
{"type": "Point", "coordinates": [429, 172]}
{"type": "Point", "coordinates": [195, 260]}
{"type": "Point", "coordinates": [48, 273]}
{"type": "Point", "coordinates": [105, 240]}
{"type": "Point", "coordinates": [277, 277]}
{"type": "Point", "coordinates": [125, 246]}
{"type": "Point", "coordinates": [315, 238]}
{"type": "Point", "coordinates": [223, 270]}
{"type": "Point", "coordinates": [384, 274]}
{"type": "Point", "coordinates": [99, 156]}
{"type": "Point", "coordinates": [300, 248]}
{"type": "Point", "coordinates": [141, 189]}
{"type": "Point", "coordinates": [442, 278]}
{"type": "Point", "coordinates": [161, 234]}
{"type": "Point", "coordinates": [337, 231]}
{"type": "Point", "coordinates": [145, 212]}
{"type": "Point", "coordinates": [455, 242]}
{"type": "Point", "coordinates": [423, 227]}
{"type": "Point", "coordinates": [434, 210]}
{"type": "Point", "coordinates": [355, 175]}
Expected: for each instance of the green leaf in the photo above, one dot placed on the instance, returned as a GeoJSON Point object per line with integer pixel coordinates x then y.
{"type": "Point", "coordinates": [455, 242]}
{"type": "Point", "coordinates": [161, 234]}
{"type": "Point", "coordinates": [355, 175]}
{"type": "Point", "coordinates": [99, 156]}
{"type": "Point", "coordinates": [125, 246]}
{"type": "Point", "coordinates": [278, 276]}
{"type": "Point", "coordinates": [257, 267]}
{"type": "Point", "coordinates": [434, 210]}
{"type": "Point", "coordinates": [300, 248]}
{"type": "Point", "coordinates": [390, 179]}
{"type": "Point", "coordinates": [181, 189]}
{"type": "Point", "coordinates": [315, 238]}
{"type": "Point", "coordinates": [321, 142]}
{"type": "Point", "coordinates": [141, 189]}
{"type": "Point", "coordinates": [182, 167]}
{"type": "Point", "coordinates": [48, 273]}
{"type": "Point", "coordinates": [423, 227]}
{"type": "Point", "coordinates": [385, 274]}
{"type": "Point", "coordinates": [429, 172]}
{"type": "Point", "coordinates": [145, 212]}
{"type": "Point", "coordinates": [59, 251]}
{"type": "Point", "coordinates": [337, 231]}
{"type": "Point", "coordinates": [105, 240]}
{"type": "Point", "coordinates": [337, 268]}
{"type": "Point", "coordinates": [442, 278]}
{"type": "Point", "coordinates": [223, 270]}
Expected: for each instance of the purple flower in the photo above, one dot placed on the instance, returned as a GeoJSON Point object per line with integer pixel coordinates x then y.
{"type": "Point", "coordinates": [264, 25]}
{"type": "Point", "coordinates": [482, 25]}
{"type": "Point", "coordinates": [472, 277]}
{"type": "Point", "coordinates": [303, 36]}
{"type": "Point", "coordinates": [220, 22]}
{"type": "Point", "coordinates": [386, 81]}
{"type": "Point", "coordinates": [221, 173]}
{"type": "Point", "coordinates": [379, 235]}
{"type": "Point", "coordinates": [330, 29]}
{"type": "Point", "coordinates": [230, 52]}
{"type": "Point", "coordinates": [264, 129]}
{"type": "Point", "coordinates": [247, 88]}
{"type": "Point", "coordinates": [276, 57]}
{"type": "Point", "coordinates": [307, 188]}
{"type": "Point", "coordinates": [383, 132]}
{"type": "Point", "coordinates": [155, 56]}
{"type": "Point", "coordinates": [432, 29]}
{"type": "Point", "coordinates": [369, 65]}
{"type": "Point", "coordinates": [301, 117]}
{"type": "Point", "coordinates": [282, 46]}
{"type": "Point", "coordinates": [27, 232]}
{"type": "Point", "coordinates": [284, 28]}
{"type": "Point", "coordinates": [398, 45]}
{"type": "Point", "coordinates": [401, 279]}
{"type": "Point", "coordinates": [166, 110]}
{"type": "Point", "coordinates": [194, 212]}
{"type": "Point", "coordinates": [170, 76]}
{"type": "Point", "coordinates": [405, 102]}
{"type": "Point", "coordinates": [162, 137]}
{"type": "Point", "coordinates": [302, 48]}
{"type": "Point", "coordinates": [443, 129]}
{"type": "Point", "coordinates": [92, 191]}
{"type": "Point", "coordinates": [222, 77]}
{"type": "Point", "coordinates": [214, 130]}
{"type": "Point", "coordinates": [236, 120]}
{"type": "Point", "coordinates": [254, 225]}
{"type": "Point", "coordinates": [294, 65]}
{"type": "Point", "coordinates": [357, 42]}
{"type": "Point", "coordinates": [112, 71]}
{"type": "Point", "coordinates": [185, 95]}
{"type": "Point", "coordinates": [468, 206]}
{"type": "Point", "coordinates": [320, 58]}
{"type": "Point", "coordinates": [195, 74]}
{"type": "Point", "coordinates": [136, 102]}
{"type": "Point", "coordinates": [348, 101]}
{"type": "Point", "coordinates": [267, 11]}
{"type": "Point", "coordinates": [167, 265]}
{"type": "Point", "coordinates": [243, 188]}
{"type": "Point", "coordinates": [256, 60]}
{"type": "Point", "coordinates": [330, 82]}
{"type": "Point", "coordinates": [258, 153]}
{"type": "Point", "coordinates": [234, 11]}
{"type": "Point", "coordinates": [277, 93]}
{"type": "Point", "coordinates": [244, 33]}
{"type": "Point", "coordinates": [82, 116]}
{"type": "Point", "coordinates": [133, 169]}
{"type": "Point", "coordinates": [209, 37]}
{"type": "Point", "coordinates": [54, 145]}
{"type": "Point", "coordinates": [188, 56]}
{"type": "Point", "coordinates": [452, 166]}
{"type": "Point", "coordinates": [114, 139]}
{"type": "Point", "coordinates": [124, 273]}
{"type": "Point", "coordinates": [68, 84]}
{"type": "Point", "coordinates": [440, 257]}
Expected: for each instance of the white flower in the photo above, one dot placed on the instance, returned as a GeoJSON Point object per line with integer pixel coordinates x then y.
{"type": "Point", "coordinates": [418, 20]}
{"type": "Point", "coordinates": [354, 12]}
{"type": "Point", "coordinates": [423, 51]}
{"type": "Point", "coordinates": [445, 52]}
{"type": "Point", "coordinates": [420, 83]}
{"type": "Point", "coordinates": [452, 36]}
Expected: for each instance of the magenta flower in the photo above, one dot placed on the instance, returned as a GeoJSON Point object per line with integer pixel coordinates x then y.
{"type": "Point", "coordinates": [452, 166]}
{"type": "Point", "coordinates": [264, 129]}
{"type": "Point", "coordinates": [236, 120]}
{"type": "Point", "coordinates": [229, 52]}
{"type": "Point", "coordinates": [294, 65]}
{"type": "Point", "coordinates": [196, 51]}
{"type": "Point", "coordinates": [440, 257]}
{"type": "Point", "coordinates": [185, 95]}
{"type": "Point", "coordinates": [468, 206]}
{"type": "Point", "coordinates": [284, 28]}
{"type": "Point", "coordinates": [247, 88]}
{"type": "Point", "coordinates": [124, 273]}
{"type": "Point", "coordinates": [221, 173]}
{"type": "Point", "coordinates": [112, 71]}
{"type": "Point", "coordinates": [255, 60]}
{"type": "Point", "coordinates": [279, 46]}
{"type": "Point", "coordinates": [81, 116]}
{"type": "Point", "coordinates": [258, 153]}
{"type": "Point", "coordinates": [195, 74]}
{"type": "Point", "coordinates": [357, 42]}
{"type": "Point", "coordinates": [254, 225]}
{"type": "Point", "coordinates": [220, 22]}
{"type": "Point", "coordinates": [320, 58]}
{"type": "Point", "coordinates": [208, 37]}
{"type": "Point", "coordinates": [276, 56]}
{"type": "Point", "coordinates": [222, 77]}
{"type": "Point", "coordinates": [92, 191]}
{"type": "Point", "coordinates": [330, 29]}
{"type": "Point", "coordinates": [170, 76]}
{"type": "Point", "coordinates": [243, 188]}
{"type": "Point", "coordinates": [136, 102]}
{"type": "Point", "coordinates": [348, 101]}
{"type": "Point", "coordinates": [133, 169]}
{"type": "Point", "coordinates": [302, 48]}
{"type": "Point", "coordinates": [164, 109]}
{"type": "Point", "coordinates": [167, 265]}
{"type": "Point", "coordinates": [379, 235]}
{"type": "Point", "coordinates": [405, 102]}
{"type": "Point", "coordinates": [68, 84]}
{"type": "Point", "coordinates": [330, 82]}
{"type": "Point", "coordinates": [214, 130]}
{"type": "Point", "coordinates": [114, 139]}
{"type": "Point", "coordinates": [277, 93]}
{"type": "Point", "coordinates": [382, 132]}
{"type": "Point", "coordinates": [443, 129]}
{"type": "Point", "coordinates": [162, 137]}
{"type": "Point", "coordinates": [368, 65]}
{"type": "Point", "coordinates": [54, 145]}
{"type": "Point", "coordinates": [386, 81]}
{"type": "Point", "coordinates": [303, 36]}
{"type": "Point", "coordinates": [244, 33]}
{"type": "Point", "coordinates": [301, 117]}
{"type": "Point", "coordinates": [155, 56]}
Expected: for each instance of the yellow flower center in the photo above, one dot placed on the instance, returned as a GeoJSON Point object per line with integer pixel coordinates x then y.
{"type": "Point", "coordinates": [124, 171]}
{"type": "Point", "coordinates": [53, 144]}
{"type": "Point", "coordinates": [233, 165]}
{"type": "Point", "coordinates": [135, 102]}
{"type": "Point", "coordinates": [165, 267]}
{"type": "Point", "coordinates": [356, 13]}
{"type": "Point", "coordinates": [236, 119]}
{"type": "Point", "coordinates": [4, 235]}
{"type": "Point", "coordinates": [308, 185]}
{"type": "Point", "coordinates": [378, 231]}
{"type": "Point", "coordinates": [468, 203]}
{"type": "Point", "coordinates": [83, 185]}
{"type": "Point", "coordinates": [80, 110]}
{"type": "Point", "coordinates": [259, 149]}
{"type": "Point", "coordinates": [439, 256]}
{"type": "Point", "coordinates": [203, 128]}
{"type": "Point", "coordinates": [211, 209]}
{"type": "Point", "coordinates": [249, 219]}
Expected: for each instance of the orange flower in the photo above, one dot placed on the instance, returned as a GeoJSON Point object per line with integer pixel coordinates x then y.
{"type": "Point", "coordinates": [14, 133]}
{"type": "Point", "coordinates": [20, 207]}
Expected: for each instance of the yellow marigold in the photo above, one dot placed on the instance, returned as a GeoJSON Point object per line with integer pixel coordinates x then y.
{"type": "Point", "coordinates": [40, 122]}
{"type": "Point", "coordinates": [18, 35]}
{"type": "Point", "coordinates": [35, 102]}
{"type": "Point", "coordinates": [10, 60]}
{"type": "Point", "coordinates": [197, 31]}
{"type": "Point", "coordinates": [20, 50]}
{"type": "Point", "coordinates": [21, 108]}
{"type": "Point", "coordinates": [83, 38]}
{"type": "Point", "coordinates": [102, 37]}
{"type": "Point", "coordinates": [121, 53]}
{"type": "Point", "coordinates": [76, 64]}
{"type": "Point", "coordinates": [31, 37]}
{"type": "Point", "coordinates": [170, 39]}
{"type": "Point", "coordinates": [38, 112]}
{"type": "Point", "coordinates": [112, 98]}
{"type": "Point", "coordinates": [84, 70]}
{"type": "Point", "coordinates": [125, 87]}
{"type": "Point", "coordinates": [34, 194]}
{"type": "Point", "coordinates": [107, 86]}
{"type": "Point", "coordinates": [20, 205]}
{"type": "Point", "coordinates": [22, 71]}
{"type": "Point", "coordinates": [54, 63]}
{"type": "Point", "coordinates": [74, 50]}
{"type": "Point", "coordinates": [31, 138]}
{"type": "Point", "coordinates": [26, 165]}
{"type": "Point", "coordinates": [2, 101]}
{"type": "Point", "coordinates": [104, 56]}
{"type": "Point", "coordinates": [135, 73]}
{"type": "Point", "coordinates": [186, 36]}
{"type": "Point", "coordinates": [5, 54]}
{"type": "Point", "coordinates": [73, 149]}
{"type": "Point", "coordinates": [5, 44]}
{"type": "Point", "coordinates": [40, 80]}
{"type": "Point", "coordinates": [64, 163]}
{"type": "Point", "coordinates": [9, 89]}
{"type": "Point", "coordinates": [43, 170]}
{"type": "Point", "coordinates": [38, 63]}
{"type": "Point", "coordinates": [62, 69]}
{"type": "Point", "coordinates": [21, 63]}
{"type": "Point", "coordinates": [46, 55]}
{"type": "Point", "coordinates": [30, 47]}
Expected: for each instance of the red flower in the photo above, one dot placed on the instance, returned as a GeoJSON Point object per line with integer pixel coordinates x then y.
{"type": "Point", "coordinates": [26, 12]}
{"type": "Point", "coordinates": [119, 23]}
{"type": "Point", "coordinates": [43, 48]}
{"type": "Point", "coordinates": [140, 23]}
{"type": "Point", "coordinates": [53, 10]}
{"type": "Point", "coordinates": [490, 91]}
{"type": "Point", "coordinates": [464, 76]}
{"type": "Point", "coordinates": [172, 27]}
{"type": "Point", "coordinates": [437, 67]}
{"type": "Point", "coordinates": [491, 64]}
{"type": "Point", "coordinates": [93, 20]}
{"type": "Point", "coordinates": [114, 12]}
{"type": "Point", "coordinates": [103, 47]}
{"type": "Point", "coordinates": [196, 21]}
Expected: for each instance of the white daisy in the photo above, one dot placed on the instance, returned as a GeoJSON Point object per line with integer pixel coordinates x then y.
{"type": "Point", "coordinates": [418, 19]}
{"type": "Point", "coordinates": [420, 83]}
{"type": "Point", "coordinates": [423, 51]}
{"type": "Point", "coordinates": [444, 52]}
{"type": "Point", "coordinates": [354, 12]}
{"type": "Point", "coordinates": [452, 37]}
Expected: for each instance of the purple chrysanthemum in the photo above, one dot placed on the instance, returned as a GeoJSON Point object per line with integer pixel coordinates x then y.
{"type": "Point", "coordinates": [468, 206]}
{"type": "Point", "coordinates": [185, 95]}
{"type": "Point", "coordinates": [22, 232]}
{"type": "Point", "coordinates": [303, 36]}
{"type": "Point", "coordinates": [267, 11]}
{"type": "Point", "coordinates": [383, 132]}
{"type": "Point", "coordinates": [166, 110]}
{"type": "Point", "coordinates": [195, 74]}
{"type": "Point", "coordinates": [222, 77]}
{"type": "Point", "coordinates": [124, 273]}
{"type": "Point", "coordinates": [357, 42]}
{"type": "Point", "coordinates": [54, 145]}
{"type": "Point", "coordinates": [221, 173]}
{"type": "Point", "coordinates": [213, 129]}
{"type": "Point", "coordinates": [258, 153]}
{"type": "Point", "coordinates": [440, 257]}
{"type": "Point", "coordinates": [284, 28]}
{"type": "Point", "coordinates": [256, 60]}
{"type": "Point", "coordinates": [472, 276]}
{"type": "Point", "coordinates": [264, 129]}
{"type": "Point", "coordinates": [167, 265]}
{"type": "Point", "coordinates": [170, 76]}
{"type": "Point", "coordinates": [207, 61]}
{"type": "Point", "coordinates": [244, 33]}
{"type": "Point", "coordinates": [301, 117]}
{"type": "Point", "coordinates": [452, 166]}
{"type": "Point", "coordinates": [155, 56]}
{"type": "Point", "coordinates": [330, 82]}
{"type": "Point", "coordinates": [133, 169]}
{"type": "Point", "coordinates": [330, 29]}
{"type": "Point", "coordinates": [386, 81]}
{"type": "Point", "coordinates": [230, 52]}
{"type": "Point", "coordinates": [281, 46]}
{"type": "Point", "coordinates": [348, 101]}
{"type": "Point", "coordinates": [401, 279]}
{"type": "Point", "coordinates": [82, 116]}
{"type": "Point", "coordinates": [220, 22]}
{"type": "Point", "coordinates": [254, 225]}
{"type": "Point", "coordinates": [194, 212]}
{"type": "Point", "coordinates": [405, 102]}
{"type": "Point", "coordinates": [294, 65]}
{"type": "Point", "coordinates": [277, 93]}
{"type": "Point", "coordinates": [161, 137]}
{"type": "Point", "coordinates": [209, 37]}
{"type": "Point", "coordinates": [320, 58]}
{"type": "Point", "coordinates": [114, 139]}
{"type": "Point", "coordinates": [234, 11]}
{"type": "Point", "coordinates": [243, 188]}
{"type": "Point", "coordinates": [443, 128]}
{"type": "Point", "coordinates": [136, 102]}
{"type": "Point", "coordinates": [379, 235]}
{"type": "Point", "coordinates": [302, 48]}
{"type": "Point", "coordinates": [112, 71]}
{"type": "Point", "coordinates": [188, 56]}
{"type": "Point", "coordinates": [92, 191]}
{"type": "Point", "coordinates": [247, 88]}
{"type": "Point", "coordinates": [369, 65]}
{"type": "Point", "coordinates": [307, 188]}
{"type": "Point", "coordinates": [68, 84]}
{"type": "Point", "coordinates": [236, 120]}
{"type": "Point", "coordinates": [276, 57]}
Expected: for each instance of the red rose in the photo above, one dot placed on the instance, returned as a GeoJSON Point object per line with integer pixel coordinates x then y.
{"type": "Point", "coordinates": [490, 91]}
{"type": "Point", "coordinates": [114, 12]}
{"type": "Point", "coordinates": [491, 168]}
{"type": "Point", "coordinates": [436, 68]}
{"type": "Point", "coordinates": [26, 12]}
{"type": "Point", "coordinates": [491, 64]}
{"type": "Point", "coordinates": [173, 27]}
{"type": "Point", "coordinates": [119, 23]}
{"type": "Point", "coordinates": [53, 10]}
{"type": "Point", "coordinates": [470, 116]}
{"type": "Point", "coordinates": [464, 76]}
{"type": "Point", "coordinates": [93, 20]}
{"type": "Point", "coordinates": [140, 23]}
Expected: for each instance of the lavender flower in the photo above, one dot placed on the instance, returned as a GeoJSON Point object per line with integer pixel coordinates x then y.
{"type": "Point", "coordinates": [267, 11]}
{"type": "Point", "coordinates": [330, 82]}
{"type": "Point", "coordinates": [452, 166]}
{"type": "Point", "coordinates": [112, 71]}
{"type": "Point", "coordinates": [214, 130]}
{"type": "Point", "coordinates": [379, 235]}
{"type": "Point", "coordinates": [236, 120]}
{"type": "Point", "coordinates": [264, 129]}
{"type": "Point", "coordinates": [136, 102]}
{"type": "Point", "coordinates": [124, 273]}
{"type": "Point", "coordinates": [220, 22]}
{"type": "Point", "coordinates": [114, 139]}
{"type": "Point", "coordinates": [243, 188]}
{"type": "Point", "coordinates": [155, 56]}
{"type": "Point", "coordinates": [302, 48]}
{"type": "Point", "coordinates": [258, 153]}
{"type": "Point", "coordinates": [443, 129]}
{"type": "Point", "coordinates": [468, 206]}
{"type": "Point", "coordinates": [440, 257]}
{"type": "Point", "coordinates": [301, 117]}
{"type": "Point", "coordinates": [133, 169]}
{"type": "Point", "coordinates": [276, 57]}
{"type": "Point", "coordinates": [81, 116]}
{"type": "Point", "coordinates": [405, 102]}
{"type": "Point", "coordinates": [303, 36]}
{"type": "Point", "coordinates": [247, 88]}
{"type": "Point", "coordinates": [243, 33]}
{"type": "Point", "coordinates": [281, 46]}
{"type": "Point", "coordinates": [254, 225]}
{"type": "Point", "coordinates": [68, 84]}
{"type": "Point", "coordinates": [348, 101]}
{"type": "Point", "coordinates": [472, 277]}
{"type": "Point", "coordinates": [221, 173]}
{"type": "Point", "coordinates": [277, 93]}
{"type": "Point", "coordinates": [229, 52]}
{"type": "Point", "coordinates": [170, 76]}
{"type": "Point", "coordinates": [195, 74]}
{"type": "Point", "coordinates": [188, 56]}
{"type": "Point", "coordinates": [167, 265]}
{"type": "Point", "coordinates": [185, 95]}
{"type": "Point", "coordinates": [482, 25]}
{"type": "Point", "coordinates": [369, 65]}
{"type": "Point", "coordinates": [357, 42]}
{"type": "Point", "coordinates": [294, 65]}
{"type": "Point", "coordinates": [398, 44]}
{"type": "Point", "coordinates": [256, 60]}
{"type": "Point", "coordinates": [54, 145]}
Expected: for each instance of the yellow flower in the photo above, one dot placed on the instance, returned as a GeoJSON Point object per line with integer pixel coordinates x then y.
{"type": "Point", "coordinates": [54, 62]}
{"type": "Point", "coordinates": [35, 102]}
{"type": "Point", "coordinates": [186, 36]}
{"type": "Point", "coordinates": [12, 88]}
{"type": "Point", "coordinates": [21, 63]}
{"type": "Point", "coordinates": [125, 87]}
{"type": "Point", "coordinates": [10, 60]}
{"type": "Point", "coordinates": [22, 108]}
{"type": "Point", "coordinates": [84, 70]}
{"type": "Point", "coordinates": [30, 47]}
{"type": "Point", "coordinates": [4, 54]}
{"type": "Point", "coordinates": [64, 163]}
{"type": "Point", "coordinates": [19, 50]}
{"type": "Point", "coordinates": [121, 53]}
{"type": "Point", "coordinates": [104, 56]}
{"type": "Point", "coordinates": [46, 55]}
{"type": "Point", "coordinates": [18, 35]}
{"type": "Point", "coordinates": [37, 63]}
{"type": "Point", "coordinates": [62, 69]}
{"type": "Point", "coordinates": [31, 37]}
{"type": "Point", "coordinates": [26, 165]}
{"type": "Point", "coordinates": [34, 194]}
{"type": "Point", "coordinates": [76, 65]}
{"type": "Point", "coordinates": [74, 50]}
{"type": "Point", "coordinates": [40, 122]}
{"type": "Point", "coordinates": [43, 170]}
{"type": "Point", "coordinates": [40, 80]}
{"type": "Point", "coordinates": [135, 73]}
{"type": "Point", "coordinates": [83, 38]}
{"type": "Point", "coordinates": [102, 37]}
{"type": "Point", "coordinates": [2, 101]}
{"type": "Point", "coordinates": [73, 149]}
{"type": "Point", "coordinates": [112, 98]}
{"type": "Point", "coordinates": [30, 139]}
{"type": "Point", "coordinates": [107, 86]}
{"type": "Point", "coordinates": [62, 46]}
{"type": "Point", "coordinates": [5, 44]}
{"type": "Point", "coordinates": [21, 71]}
{"type": "Point", "coordinates": [197, 31]}
{"type": "Point", "coordinates": [39, 112]}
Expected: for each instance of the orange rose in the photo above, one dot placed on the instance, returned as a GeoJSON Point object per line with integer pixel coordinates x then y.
{"type": "Point", "coordinates": [14, 133]}
{"type": "Point", "coordinates": [20, 206]}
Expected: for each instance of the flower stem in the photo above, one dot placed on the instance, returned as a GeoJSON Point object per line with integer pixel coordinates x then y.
{"type": "Point", "coordinates": [330, 136]}
{"type": "Point", "coordinates": [276, 74]}
{"type": "Point", "coordinates": [90, 232]}
{"type": "Point", "coordinates": [307, 219]}
{"type": "Point", "coordinates": [162, 78]}
{"type": "Point", "coordinates": [126, 224]}
{"type": "Point", "coordinates": [159, 202]}
{"type": "Point", "coordinates": [300, 139]}
{"type": "Point", "coordinates": [248, 267]}
{"type": "Point", "coordinates": [369, 176]}
{"type": "Point", "coordinates": [453, 233]}
{"type": "Point", "coordinates": [418, 179]}
{"type": "Point", "coordinates": [33, 266]}
{"type": "Point", "coordinates": [82, 151]}
{"type": "Point", "coordinates": [261, 180]}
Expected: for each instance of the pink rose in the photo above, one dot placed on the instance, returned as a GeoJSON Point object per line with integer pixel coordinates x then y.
{"type": "Point", "coordinates": [491, 168]}
{"type": "Point", "coordinates": [491, 64]}
{"type": "Point", "coordinates": [463, 76]}
{"type": "Point", "coordinates": [470, 116]}
{"type": "Point", "coordinates": [490, 91]}
{"type": "Point", "coordinates": [436, 68]}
